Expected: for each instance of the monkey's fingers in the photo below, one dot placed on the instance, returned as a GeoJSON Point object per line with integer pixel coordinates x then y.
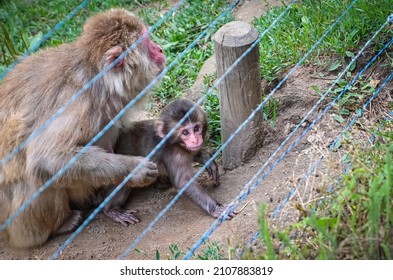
{"type": "Point", "coordinates": [131, 211]}
{"type": "Point", "coordinates": [125, 217]}
{"type": "Point", "coordinates": [145, 176]}
{"type": "Point", "coordinates": [231, 215]}
{"type": "Point", "coordinates": [219, 210]}
{"type": "Point", "coordinates": [216, 179]}
{"type": "Point", "coordinates": [212, 169]}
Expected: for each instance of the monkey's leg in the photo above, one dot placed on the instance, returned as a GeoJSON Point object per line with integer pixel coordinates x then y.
{"type": "Point", "coordinates": [73, 222]}
{"type": "Point", "coordinates": [40, 220]}
{"type": "Point", "coordinates": [113, 209]}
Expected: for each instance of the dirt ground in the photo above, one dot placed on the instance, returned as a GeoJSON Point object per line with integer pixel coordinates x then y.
{"type": "Point", "coordinates": [185, 222]}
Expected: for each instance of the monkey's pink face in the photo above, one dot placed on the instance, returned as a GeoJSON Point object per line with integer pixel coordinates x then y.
{"type": "Point", "coordinates": [191, 136]}
{"type": "Point", "coordinates": [155, 52]}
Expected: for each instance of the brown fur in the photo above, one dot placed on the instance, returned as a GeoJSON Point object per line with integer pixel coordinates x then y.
{"type": "Point", "coordinates": [35, 89]}
{"type": "Point", "coordinates": [173, 159]}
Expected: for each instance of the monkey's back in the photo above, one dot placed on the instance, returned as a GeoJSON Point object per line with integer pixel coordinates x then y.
{"type": "Point", "coordinates": [139, 139]}
{"type": "Point", "coordinates": [34, 90]}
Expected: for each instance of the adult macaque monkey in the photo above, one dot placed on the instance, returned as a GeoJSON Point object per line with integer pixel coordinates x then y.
{"type": "Point", "coordinates": [35, 89]}
{"type": "Point", "coordinates": [175, 158]}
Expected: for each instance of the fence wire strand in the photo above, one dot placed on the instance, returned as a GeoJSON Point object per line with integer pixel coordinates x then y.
{"type": "Point", "coordinates": [98, 136]}
{"type": "Point", "coordinates": [370, 140]}
{"type": "Point", "coordinates": [159, 145]}
{"type": "Point", "coordinates": [246, 190]}
{"type": "Point", "coordinates": [218, 81]}
{"type": "Point", "coordinates": [46, 124]}
{"type": "Point", "coordinates": [256, 179]}
{"type": "Point", "coordinates": [45, 37]}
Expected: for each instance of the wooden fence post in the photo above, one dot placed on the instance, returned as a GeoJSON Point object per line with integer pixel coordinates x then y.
{"type": "Point", "coordinates": [240, 91]}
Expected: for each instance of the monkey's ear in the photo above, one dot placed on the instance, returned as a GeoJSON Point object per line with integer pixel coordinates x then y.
{"type": "Point", "coordinates": [160, 128]}
{"type": "Point", "coordinates": [112, 54]}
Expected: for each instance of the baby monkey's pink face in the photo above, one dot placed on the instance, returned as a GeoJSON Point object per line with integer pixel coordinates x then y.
{"type": "Point", "coordinates": [191, 136]}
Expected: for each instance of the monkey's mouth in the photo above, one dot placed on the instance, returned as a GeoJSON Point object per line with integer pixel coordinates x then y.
{"type": "Point", "coordinates": [195, 148]}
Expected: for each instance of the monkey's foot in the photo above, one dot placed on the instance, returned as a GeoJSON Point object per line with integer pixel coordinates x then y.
{"type": "Point", "coordinates": [162, 183]}
{"type": "Point", "coordinates": [220, 209]}
{"type": "Point", "coordinates": [125, 217]}
{"type": "Point", "coordinates": [74, 221]}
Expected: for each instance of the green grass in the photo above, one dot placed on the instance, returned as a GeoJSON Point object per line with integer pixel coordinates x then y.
{"type": "Point", "coordinates": [305, 23]}
{"type": "Point", "coordinates": [176, 35]}
{"type": "Point", "coordinates": [212, 109]}
{"type": "Point", "coordinates": [212, 251]}
{"type": "Point", "coordinates": [353, 222]}
{"type": "Point", "coordinates": [356, 222]}
{"type": "Point", "coordinates": [35, 18]}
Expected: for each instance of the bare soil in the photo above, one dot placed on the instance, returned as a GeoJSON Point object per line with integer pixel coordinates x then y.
{"type": "Point", "coordinates": [185, 222]}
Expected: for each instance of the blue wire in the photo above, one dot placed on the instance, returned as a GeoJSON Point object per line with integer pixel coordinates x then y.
{"type": "Point", "coordinates": [246, 191]}
{"type": "Point", "coordinates": [345, 89]}
{"type": "Point", "coordinates": [45, 37]}
{"type": "Point", "coordinates": [238, 199]}
{"type": "Point", "coordinates": [371, 140]}
{"type": "Point", "coordinates": [159, 145]}
{"type": "Point", "coordinates": [178, 195]}
{"type": "Point", "coordinates": [106, 128]}
{"type": "Point", "coordinates": [87, 86]}
{"type": "Point", "coordinates": [255, 236]}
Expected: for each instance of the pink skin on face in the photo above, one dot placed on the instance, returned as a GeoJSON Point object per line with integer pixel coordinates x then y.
{"type": "Point", "coordinates": [191, 135]}
{"type": "Point", "coordinates": [155, 51]}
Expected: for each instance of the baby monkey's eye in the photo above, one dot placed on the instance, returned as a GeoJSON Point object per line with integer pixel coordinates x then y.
{"type": "Point", "coordinates": [185, 132]}
{"type": "Point", "coordinates": [196, 128]}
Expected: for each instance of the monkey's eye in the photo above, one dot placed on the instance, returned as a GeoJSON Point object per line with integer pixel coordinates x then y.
{"type": "Point", "coordinates": [185, 132]}
{"type": "Point", "coordinates": [196, 128]}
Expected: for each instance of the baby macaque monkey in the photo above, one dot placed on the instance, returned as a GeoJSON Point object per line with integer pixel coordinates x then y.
{"type": "Point", "coordinates": [179, 152]}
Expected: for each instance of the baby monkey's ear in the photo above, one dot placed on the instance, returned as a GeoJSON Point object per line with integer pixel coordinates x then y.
{"type": "Point", "coordinates": [159, 126]}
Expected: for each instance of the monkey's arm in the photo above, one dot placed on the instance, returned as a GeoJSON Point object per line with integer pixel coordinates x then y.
{"type": "Point", "coordinates": [60, 142]}
{"type": "Point", "coordinates": [180, 172]}
{"type": "Point", "coordinates": [95, 167]}
{"type": "Point", "coordinates": [202, 157]}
